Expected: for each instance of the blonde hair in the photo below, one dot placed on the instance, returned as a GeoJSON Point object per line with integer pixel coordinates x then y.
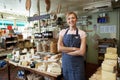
{"type": "Point", "coordinates": [69, 13]}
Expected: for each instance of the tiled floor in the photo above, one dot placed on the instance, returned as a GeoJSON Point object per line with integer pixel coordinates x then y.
{"type": "Point", "coordinates": [90, 69]}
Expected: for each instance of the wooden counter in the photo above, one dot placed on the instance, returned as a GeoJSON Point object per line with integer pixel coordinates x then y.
{"type": "Point", "coordinates": [52, 76]}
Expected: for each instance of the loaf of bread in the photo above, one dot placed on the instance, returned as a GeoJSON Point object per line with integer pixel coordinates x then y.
{"type": "Point", "coordinates": [53, 47]}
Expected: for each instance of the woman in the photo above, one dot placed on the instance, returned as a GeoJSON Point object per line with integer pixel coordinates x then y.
{"type": "Point", "coordinates": [72, 44]}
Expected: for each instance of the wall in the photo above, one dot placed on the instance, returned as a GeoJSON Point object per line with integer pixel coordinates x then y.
{"type": "Point", "coordinates": [114, 19]}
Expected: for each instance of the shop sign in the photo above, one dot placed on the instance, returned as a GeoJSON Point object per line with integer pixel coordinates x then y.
{"type": "Point", "coordinates": [46, 16]}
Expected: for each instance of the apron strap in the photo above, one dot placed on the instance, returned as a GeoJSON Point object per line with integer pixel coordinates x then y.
{"type": "Point", "coordinates": [76, 31]}
{"type": "Point", "coordinates": [66, 31]}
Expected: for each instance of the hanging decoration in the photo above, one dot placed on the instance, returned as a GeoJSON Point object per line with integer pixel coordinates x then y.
{"type": "Point", "coordinates": [48, 4]}
{"type": "Point", "coordinates": [4, 6]}
{"type": "Point", "coordinates": [59, 8]}
{"type": "Point", "coordinates": [2, 16]}
{"type": "Point", "coordinates": [28, 4]}
{"type": "Point", "coordinates": [19, 1]}
{"type": "Point", "coordinates": [54, 13]}
{"type": "Point", "coordinates": [38, 5]}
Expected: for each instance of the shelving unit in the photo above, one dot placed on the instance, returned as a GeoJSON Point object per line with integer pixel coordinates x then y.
{"type": "Point", "coordinates": [9, 42]}
{"type": "Point", "coordinates": [102, 45]}
{"type": "Point", "coordinates": [20, 44]}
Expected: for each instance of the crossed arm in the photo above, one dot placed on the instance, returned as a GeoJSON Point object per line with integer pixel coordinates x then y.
{"type": "Point", "coordinates": [72, 50]}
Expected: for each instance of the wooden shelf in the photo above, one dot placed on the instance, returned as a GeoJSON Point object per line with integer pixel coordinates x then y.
{"type": "Point", "coordinates": [102, 45]}
{"type": "Point", "coordinates": [9, 41]}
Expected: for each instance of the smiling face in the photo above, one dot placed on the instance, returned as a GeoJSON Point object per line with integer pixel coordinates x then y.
{"type": "Point", "coordinates": [71, 19]}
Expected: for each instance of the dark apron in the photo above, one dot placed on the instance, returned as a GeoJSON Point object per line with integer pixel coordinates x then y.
{"type": "Point", "coordinates": [73, 66]}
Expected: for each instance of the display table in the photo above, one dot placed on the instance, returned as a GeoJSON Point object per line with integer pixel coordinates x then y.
{"type": "Point", "coordinates": [52, 76]}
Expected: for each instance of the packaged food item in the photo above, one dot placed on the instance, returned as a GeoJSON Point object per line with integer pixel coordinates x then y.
{"type": "Point", "coordinates": [39, 46]}
{"type": "Point", "coordinates": [45, 46]}
{"type": "Point", "coordinates": [53, 46]}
